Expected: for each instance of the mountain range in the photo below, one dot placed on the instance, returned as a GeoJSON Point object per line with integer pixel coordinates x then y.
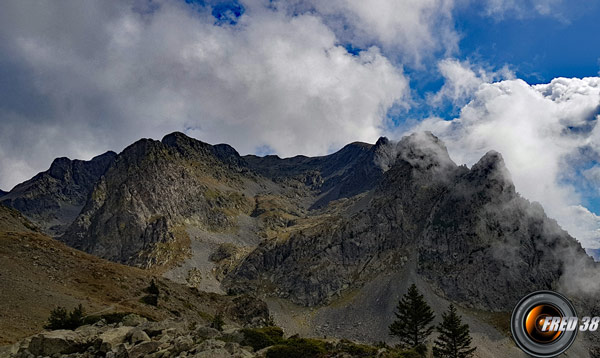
{"type": "Point", "coordinates": [330, 243]}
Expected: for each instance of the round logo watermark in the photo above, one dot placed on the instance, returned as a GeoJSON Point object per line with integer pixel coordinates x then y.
{"type": "Point", "coordinates": [544, 324]}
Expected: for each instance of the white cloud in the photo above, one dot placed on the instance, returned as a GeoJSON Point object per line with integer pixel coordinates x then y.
{"type": "Point", "coordinates": [593, 176]}
{"type": "Point", "coordinates": [544, 133]}
{"type": "Point", "coordinates": [525, 8]}
{"type": "Point", "coordinates": [462, 79]}
{"type": "Point", "coordinates": [100, 77]}
{"type": "Point", "coordinates": [413, 29]}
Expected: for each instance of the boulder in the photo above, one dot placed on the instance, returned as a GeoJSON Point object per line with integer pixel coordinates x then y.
{"type": "Point", "coordinates": [211, 344]}
{"type": "Point", "coordinates": [182, 344]}
{"type": "Point", "coordinates": [233, 335]}
{"type": "Point", "coordinates": [206, 332]}
{"type": "Point", "coordinates": [143, 349]}
{"type": "Point", "coordinates": [111, 338]}
{"type": "Point", "coordinates": [133, 320]}
{"type": "Point", "coordinates": [57, 342]}
{"type": "Point", "coordinates": [137, 335]}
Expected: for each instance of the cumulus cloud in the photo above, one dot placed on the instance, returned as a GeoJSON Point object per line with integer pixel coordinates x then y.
{"type": "Point", "coordinates": [83, 77]}
{"type": "Point", "coordinates": [412, 30]}
{"type": "Point", "coordinates": [462, 79]}
{"type": "Point", "coordinates": [546, 134]}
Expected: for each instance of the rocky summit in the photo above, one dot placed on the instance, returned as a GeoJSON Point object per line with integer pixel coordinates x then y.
{"type": "Point", "coordinates": [330, 243]}
{"type": "Point", "coordinates": [52, 199]}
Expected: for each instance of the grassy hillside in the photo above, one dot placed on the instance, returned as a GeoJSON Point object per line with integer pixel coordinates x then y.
{"type": "Point", "coordinates": [39, 273]}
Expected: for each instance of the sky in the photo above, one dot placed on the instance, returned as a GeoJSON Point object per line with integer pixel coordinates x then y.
{"type": "Point", "coordinates": [292, 77]}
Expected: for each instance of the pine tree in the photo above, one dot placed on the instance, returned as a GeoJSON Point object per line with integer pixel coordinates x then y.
{"type": "Point", "coordinates": [414, 317]}
{"type": "Point", "coordinates": [454, 340]}
{"type": "Point", "coordinates": [153, 288]}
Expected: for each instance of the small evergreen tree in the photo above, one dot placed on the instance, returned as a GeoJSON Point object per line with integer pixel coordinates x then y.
{"type": "Point", "coordinates": [61, 319]}
{"type": "Point", "coordinates": [454, 340]}
{"type": "Point", "coordinates": [76, 316]}
{"type": "Point", "coordinates": [58, 318]}
{"type": "Point", "coordinates": [153, 288]}
{"type": "Point", "coordinates": [414, 317]}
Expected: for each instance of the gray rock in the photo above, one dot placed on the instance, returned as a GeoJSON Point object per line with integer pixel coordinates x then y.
{"type": "Point", "coordinates": [133, 320]}
{"type": "Point", "coordinates": [137, 335]}
{"type": "Point", "coordinates": [211, 344]}
{"type": "Point", "coordinates": [214, 353]}
{"type": "Point", "coordinates": [143, 349]}
{"type": "Point", "coordinates": [203, 332]}
{"type": "Point", "coordinates": [232, 335]}
{"type": "Point", "coordinates": [53, 199]}
{"type": "Point", "coordinates": [57, 342]}
{"type": "Point", "coordinates": [182, 344]}
{"type": "Point", "coordinates": [113, 337]}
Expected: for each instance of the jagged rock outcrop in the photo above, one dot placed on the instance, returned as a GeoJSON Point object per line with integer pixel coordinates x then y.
{"type": "Point", "coordinates": [467, 231]}
{"type": "Point", "coordinates": [138, 211]}
{"type": "Point", "coordinates": [134, 213]}
{"type": "Point", "coordinates": [53, 199]}
{"type": "Point", "coordinates": [352, 170]}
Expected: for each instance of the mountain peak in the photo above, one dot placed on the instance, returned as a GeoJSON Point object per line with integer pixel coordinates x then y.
{"type": "Point", "coordinates": [382, 141]}
{"type": "Point", "coordinates": [59, 167]}
{"type": "Point", "coordinates": [174, 137]}
{"type": "Point", "coordinates": [107, 155]}
{"type": "Point", "coordinates": [423, 149]}
{"type": "Point", "coordinates": [492, 165]}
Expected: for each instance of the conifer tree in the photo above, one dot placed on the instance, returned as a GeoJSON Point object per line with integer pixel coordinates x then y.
{"type": "Point", "coordinates": [414, 317]}
{"type": "Point", "coordinates": [454, 340]}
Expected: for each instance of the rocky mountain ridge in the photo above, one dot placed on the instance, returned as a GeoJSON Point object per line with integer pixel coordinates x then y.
{"type": "Point", "coordinates": [52, 199]}
{"type": "Point", "coordinates": [471, 234]}
{"type": "Point", "coordinates": [324, 235]}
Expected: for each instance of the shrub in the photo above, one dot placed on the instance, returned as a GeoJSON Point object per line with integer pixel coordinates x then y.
{"type": "Point", "coordinates": [217, 322]}
{"type": "Point", "coordinates": [224, 251]}
{"type": "Point", "coordinates": [298, 348]}
{"type": "Point", "coordinates": [153, 288]}
{"type": "Point", "coordinates": [61, 319]}
{"type": "Point", "coordinates": [357, 350]}
{"type": "Point", "coordinates": [259, 338]}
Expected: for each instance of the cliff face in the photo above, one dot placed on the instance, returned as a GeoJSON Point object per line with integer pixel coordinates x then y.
{"type": "Point", "coordinates": [52, 199]}
{"type": "Point", "coordinates": [467, 232]}
{"type": "Point", "coordinates": [352, 170]}
{"type": "Point", "coordinates": [141, 210]}
{"type": "Point", "coordinates": [134, 213]}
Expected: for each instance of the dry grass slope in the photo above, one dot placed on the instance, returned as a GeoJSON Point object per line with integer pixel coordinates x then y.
{"type": "Point", "coordinates": [38, 273]}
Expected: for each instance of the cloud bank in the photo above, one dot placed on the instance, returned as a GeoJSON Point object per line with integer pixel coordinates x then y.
{"type": "Point", "coordinates": [548, 136]}
{"type": "Point", "coordinates": [86, 77]}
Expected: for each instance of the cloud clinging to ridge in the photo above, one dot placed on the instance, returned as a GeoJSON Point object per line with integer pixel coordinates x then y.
{"type": "Point", "coordinates": [79, 78]}
{"type": "Point", "coordinates": [546, 134]}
